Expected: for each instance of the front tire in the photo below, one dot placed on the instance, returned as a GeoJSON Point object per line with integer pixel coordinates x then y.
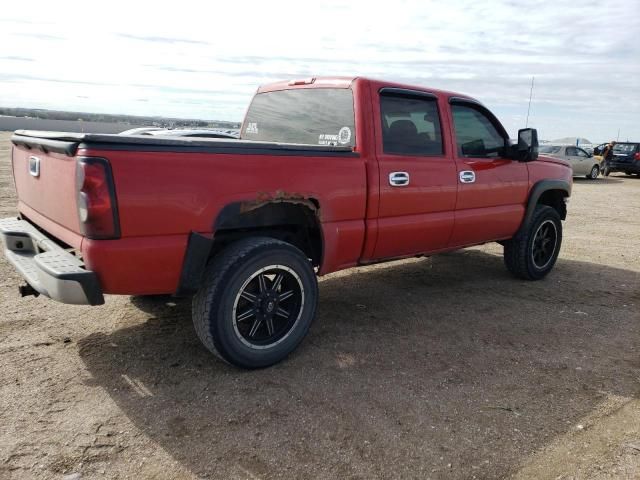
{"type": "Point", "coordinates": [532, 255]}
{"type": "Point", "coordinates": [257, 302]}
{"type": "Point", "coordinates": [595, 171]}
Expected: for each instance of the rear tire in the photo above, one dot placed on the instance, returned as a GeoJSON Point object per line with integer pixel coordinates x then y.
{"type": "Point", "coordinates": [257, 302]}
{"type": "Point", "coordinates": [534, 252]}
{"type": "Point", "coordinates": [595, 171]}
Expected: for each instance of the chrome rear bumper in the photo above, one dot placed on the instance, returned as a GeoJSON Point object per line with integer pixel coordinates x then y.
{"type": "Point", "coordinates": [47, 267]}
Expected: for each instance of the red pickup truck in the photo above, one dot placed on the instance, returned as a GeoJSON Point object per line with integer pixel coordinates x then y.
{"type": "Point", "coordinates": [328, 173]}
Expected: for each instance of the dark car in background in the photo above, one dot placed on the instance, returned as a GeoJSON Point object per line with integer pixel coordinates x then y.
{"type": "Point", "coordinates": [626, 158]}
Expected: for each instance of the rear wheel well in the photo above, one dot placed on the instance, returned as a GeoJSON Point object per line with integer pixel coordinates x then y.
{"type": "Point", "coordinates": [555, 199]}
{"type": "Point", "coordinates": [296, 223]}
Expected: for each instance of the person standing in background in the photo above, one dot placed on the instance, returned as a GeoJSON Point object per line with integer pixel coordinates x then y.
{"type": "Point", "coordinates": [607, 156]}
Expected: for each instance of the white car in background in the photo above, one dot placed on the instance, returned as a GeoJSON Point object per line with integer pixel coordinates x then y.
{"type": "Point", "coordinates": [183, 132]}
{"type": "Point", "coordinates": [582, 162]}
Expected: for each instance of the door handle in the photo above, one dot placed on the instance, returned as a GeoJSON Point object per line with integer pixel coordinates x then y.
{"type": "Point", "coordinates": [398, 179]}
{"type": "Point", "coordinates": [467, 176]}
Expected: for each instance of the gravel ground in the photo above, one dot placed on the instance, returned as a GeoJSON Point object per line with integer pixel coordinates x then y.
{"type": "Point", "coordinates": [426, 368]}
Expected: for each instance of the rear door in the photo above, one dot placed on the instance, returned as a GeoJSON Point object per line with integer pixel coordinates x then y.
{"type": "Point", "coordinates": [492, 189]}
{"type": "Point", "coordinates": [417, 174]}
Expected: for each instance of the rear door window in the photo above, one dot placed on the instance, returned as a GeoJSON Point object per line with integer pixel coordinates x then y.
{"type": "Point", "coordinates": [410, 125]}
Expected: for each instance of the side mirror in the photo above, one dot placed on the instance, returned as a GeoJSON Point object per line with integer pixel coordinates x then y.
{"type": "Point", "coordinates": [527, 149]}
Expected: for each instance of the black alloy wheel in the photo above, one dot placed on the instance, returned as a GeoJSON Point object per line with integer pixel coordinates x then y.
{"type": "Point", "coordinates": [544, 244]}
{"type": "Point", "coordinates": [257, 302]}
{"type": "Point", "coordinates": [268, 306]}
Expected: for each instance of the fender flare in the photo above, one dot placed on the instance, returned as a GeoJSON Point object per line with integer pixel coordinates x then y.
{"type": "Point", "coordinates": [250, 214]}
{"type": "Point", "coordinates": [536, 192]}
{"type": "Point", "coordinates": [194, 263]}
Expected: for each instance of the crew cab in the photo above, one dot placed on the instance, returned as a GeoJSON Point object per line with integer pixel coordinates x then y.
{"type": "Point", "coordinates": [328, 174]}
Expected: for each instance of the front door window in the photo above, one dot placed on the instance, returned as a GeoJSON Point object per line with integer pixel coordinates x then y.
{"type": "Point", "coordinates": [476, 136]}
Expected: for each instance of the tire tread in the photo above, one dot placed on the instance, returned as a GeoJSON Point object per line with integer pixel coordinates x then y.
{"type": "Point", "coordinates": [204, 301]}
{"type": "Point", "coordinates": [516, 256]}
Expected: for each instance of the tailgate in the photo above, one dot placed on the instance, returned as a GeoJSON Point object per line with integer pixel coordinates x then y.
{"type": "Point", "coordinates": [622, 158]}
{"type": "Point", "coordinates": [46, 183]}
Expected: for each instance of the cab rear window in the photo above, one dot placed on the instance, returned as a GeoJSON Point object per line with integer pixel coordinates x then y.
{"type": "Point", "coordinates": [310, 116]}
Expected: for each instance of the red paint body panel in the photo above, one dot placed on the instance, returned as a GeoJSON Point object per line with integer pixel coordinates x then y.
{"type": "Point", "coordinates": [164, 195]}
{"type": "Point", "coordinates": [53, 193]}
{"type": "Point", "coordinates": [492, 208]}
{"type": "Point", "coordinates": [341, 240]}
{"type": "Point", "coordinates": [481, 225]}
{"type": "Point", "coordinates": [136, 266]}
{"type": "Point", "coordinates": [548, 167]}
{"type": "Point", "coordinates": [58, 231]}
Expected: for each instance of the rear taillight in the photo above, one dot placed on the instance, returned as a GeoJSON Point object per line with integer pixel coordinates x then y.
{"type": "Point", "coordinates": [96, 199]}
{"type": "Point", "coordinates": [636, 156]}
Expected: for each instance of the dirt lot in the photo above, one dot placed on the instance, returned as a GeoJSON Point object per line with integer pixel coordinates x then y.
{"type": "Point", "coordinates": [431, 368]}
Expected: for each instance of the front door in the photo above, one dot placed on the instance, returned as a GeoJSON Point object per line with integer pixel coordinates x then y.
{"type": "Point", "coordinates": [417, 175]}
{"type": "Point", "coordinates": [579, 161]}
{"type": "Point", "coordinates": [492, 189]}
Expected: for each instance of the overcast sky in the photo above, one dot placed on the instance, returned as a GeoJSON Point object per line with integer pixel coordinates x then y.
{"type": "Point", "coordinates": [205, 59]}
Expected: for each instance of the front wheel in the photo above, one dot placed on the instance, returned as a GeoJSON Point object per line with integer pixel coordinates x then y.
{"type": "Point", "coordinates": [257, 303]}
{"type": "Point", "coordinates": [532, 255]}
{"type": "Point", "coordinates": [595, 171]}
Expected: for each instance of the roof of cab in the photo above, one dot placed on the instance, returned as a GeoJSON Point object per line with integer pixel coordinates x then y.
{"type": "Point", "coordinates": [346, 82]}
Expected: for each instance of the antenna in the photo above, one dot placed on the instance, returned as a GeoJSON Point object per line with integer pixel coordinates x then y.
{"type": "Point", "coordinates": [529, 108]}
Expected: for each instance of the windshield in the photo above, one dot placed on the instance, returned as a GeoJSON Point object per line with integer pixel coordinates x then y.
{"type": "Point", "coordinates": [548, 149]}
{"type": "Point", "coordinates": [312, 116]}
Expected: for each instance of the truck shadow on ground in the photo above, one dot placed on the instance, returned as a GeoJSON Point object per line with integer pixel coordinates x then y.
{"type": "Point", "coordinates": [408, 368]}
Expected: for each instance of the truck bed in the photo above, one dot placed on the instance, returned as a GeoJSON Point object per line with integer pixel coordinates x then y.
{"type": "Point", "coordinates": [166, 188]}
{"type": "Point", "coordinates": [68, 143]}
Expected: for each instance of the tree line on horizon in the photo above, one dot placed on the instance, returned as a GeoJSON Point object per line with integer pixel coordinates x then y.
{"type": "Point", "coordinates": [114, 118]}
